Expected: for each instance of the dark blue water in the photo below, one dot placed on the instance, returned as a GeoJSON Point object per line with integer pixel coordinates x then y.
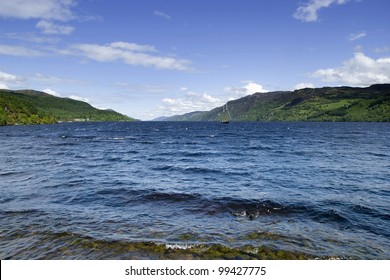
{"type": "Point", "coordinates": [318, 188]}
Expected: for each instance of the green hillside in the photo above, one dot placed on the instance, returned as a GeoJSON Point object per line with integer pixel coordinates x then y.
{"type": "Point", "coordinates": [34, 107]}
{"type": "Point", "coordinates": [352, 104]}
{"type": "Point", "coordinates": [193, 116]}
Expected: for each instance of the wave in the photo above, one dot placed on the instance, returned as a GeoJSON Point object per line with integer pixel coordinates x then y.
{"type": "Point", "coordinates": [16, 176]}
{"type": "Point", "coordinates": [63, 144]}
{"type": "Point", "coordinates": [23, 212]}
{"type": "Point", "coordinates": [197, 154]}
{"type": "Point", "coordinates": [11, 173]}
{"type": "Point", "coordinates": [361, 209]}
{"type": "Point", "coordinates": [78, 137]}
{"type": "Point", "coordinates": [199, 170]}
{"type": "Point", "coordinates": [200, 204]}
{"type": "Point", "coordinates": [331, 216]}
{"type": "Point", "coordinates": [125, 195]}
{"type": "Point", "coordinates": [379, 155]}
{"type": "Point", "coordinates": [173, 197]}
{"type": "Point", "coordinates": [117, 197]}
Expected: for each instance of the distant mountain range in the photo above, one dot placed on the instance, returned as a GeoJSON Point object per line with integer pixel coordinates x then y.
{"type": "Point", "coordinates": [370, 104]}
{"type": "Point", "coordinates": [35, 107]}
{"type": "Point", "coordinates": [342, 104]}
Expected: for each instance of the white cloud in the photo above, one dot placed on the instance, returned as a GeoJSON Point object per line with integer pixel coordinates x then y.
{"type": "Point", "coordinates": [8, 80]}
{"type": "Point", "coordinates": [382, 50]}
{"type": "Point", "coordinates": [129, 53]}
{"type": "Point", "coordinates": [33, 38]}
{"type": "Point", "coordinates": [38, 9]}
{"type": "Point", "coordinates": [357, 36]}
{"type": "Point", "coordinates": [360, 70]}
{"type": "Point", "coordinates": [51, 92]}
{"type": "Point", "coordinates": [358, 48]}
{"type": "Point", "coordinates": [19, 51]}
{"type": "Point", "coordinates": [36, 81]}
{"type": "Point", "coordinates": [53, 80]}
{"type": "Point", "coordinates": [133, 88]}
{"type": "Point", "coordinates": [78, 98]}
{"type": "Point", "coordinates": [7, 77]}
{"type": "Point", "coordinates": [303, 85]}
{"type": "Point", "coordinates": [249, 88]}
{"type": "Point", "coordinates": [51, 28]}
{"type": "Point", "coordinates": [190, 102]}
{"type": "Point", "coordinates": [133, 47]}
{"type": "Point", "coordinates": [309, 12]}
{"type": "Point", "coordinates": [161, 14]}
{"type": "Point", "coordinates": [56, 94]}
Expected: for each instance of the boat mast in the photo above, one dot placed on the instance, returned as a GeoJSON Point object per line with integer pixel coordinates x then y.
{"type": "Point", "coordinates": [225, 118]}
{"type": "Point", "coordinates": [228, 113]}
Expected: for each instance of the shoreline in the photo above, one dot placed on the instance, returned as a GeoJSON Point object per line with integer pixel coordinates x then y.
{"type": "Point", "coordinates": [70, 246]}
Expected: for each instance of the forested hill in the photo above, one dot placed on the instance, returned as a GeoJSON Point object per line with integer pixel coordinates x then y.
{"type": "Point", "coordinates": [35, 107]}
{"type": "Point", "coordinates": [371, 104]}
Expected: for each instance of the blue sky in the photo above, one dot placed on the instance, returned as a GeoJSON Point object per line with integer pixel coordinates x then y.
{"type": "Point", "coordinates": [155, 58]}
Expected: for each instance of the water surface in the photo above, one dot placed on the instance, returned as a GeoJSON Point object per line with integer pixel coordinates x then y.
{"type": "Point", "coordinates": [321, 189]}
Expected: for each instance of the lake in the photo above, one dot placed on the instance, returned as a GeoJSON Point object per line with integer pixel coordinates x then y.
{"type": "Point", "coordinates": [154, 190]}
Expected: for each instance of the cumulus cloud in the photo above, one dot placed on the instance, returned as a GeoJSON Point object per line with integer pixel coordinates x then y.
{"type": "Point", "coordinates": [190, 102]}
{"type": "Point", "coordinates": [56, 94]}
{"type": "Point", "coordinates": [129, 53]}
{"type": "Point", "coordinates": [249, 88]}
{"type": "Point", "coordinates": [51, 92]}
{"type": "Point", "coordinates": [303, 85]}
{"type": "Point", "coordinates": [51, 28]}
{"type": "Point", "coordinates": [360, 70]}
{"type": "Point", "coordinates": [309, 12]}
{"type": "Point", "coordinates": [78, 98]}
{"type": "Point", "coordinates": [38, 9]}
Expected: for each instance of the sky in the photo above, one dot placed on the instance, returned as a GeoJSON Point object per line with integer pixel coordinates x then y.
{"type": "Point", "coordinates": [154, 58]}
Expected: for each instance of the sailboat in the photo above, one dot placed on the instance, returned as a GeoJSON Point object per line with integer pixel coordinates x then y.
{"type": "Point", "coordinates": [225, 117]}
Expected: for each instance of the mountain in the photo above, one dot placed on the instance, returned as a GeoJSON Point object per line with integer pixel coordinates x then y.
{"type": "Point", "coordinates": [160, 119]}
{"type": "Point", "coordinates": [371, 104]}
{"type": "Point", "coordinates": [193, 116]}
{"type": "Point", "coordinates": [35, 107]}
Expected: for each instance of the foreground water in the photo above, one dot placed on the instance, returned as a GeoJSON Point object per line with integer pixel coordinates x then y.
{"type": "Point", "coordinates": [179, 190]}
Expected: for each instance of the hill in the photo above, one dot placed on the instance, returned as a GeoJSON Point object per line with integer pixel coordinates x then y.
{"type": "Point", "coordinates": [193, 116]}
{"type": "Point", "coordinates": [160, 119]}
{"type": "Point", "coordinates": [35, 107]}
{"type": "Point", "coordinates": [370, 104]}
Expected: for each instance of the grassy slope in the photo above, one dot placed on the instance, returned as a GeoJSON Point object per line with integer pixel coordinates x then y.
{"type": "Point", "coordinates": [322, 104]}
{"type": "Point", "coordinates": [336, 104]}
{"type": "Point", "coordinates": [193, 116]}
{"type": "Point", "coordinates": [33, 107]}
